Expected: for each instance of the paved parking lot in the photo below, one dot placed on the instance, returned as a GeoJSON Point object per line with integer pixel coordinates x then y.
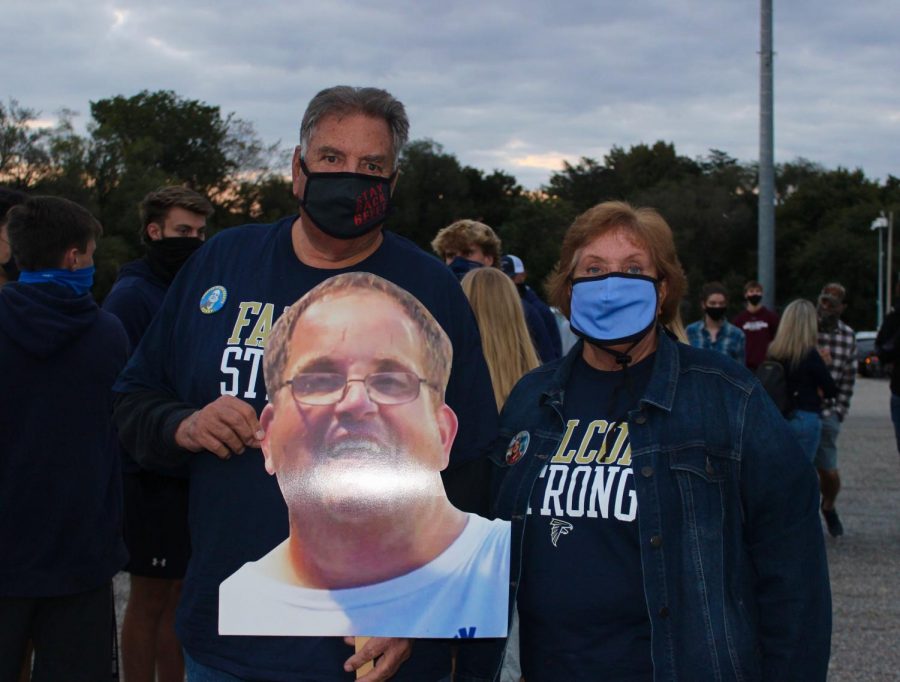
{"type": "Point", "coordinates": [865, 562]}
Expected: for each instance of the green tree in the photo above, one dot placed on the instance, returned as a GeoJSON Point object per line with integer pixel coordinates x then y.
{"type": "Point", "coordinates": [534, 231]}
{"type": "Point", "coordinates": [822, 234]}
{"type": "Point", "coordinates": [432, 192]}
{"type": "Point", "coordinates": [141, 142]}
{"type": "Point", "coordinates": [583, 185]}
{"type": "Point", "coordinates": [23, 151]}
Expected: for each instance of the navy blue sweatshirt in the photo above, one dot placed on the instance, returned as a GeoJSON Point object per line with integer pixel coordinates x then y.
{"type": "Point", "coordinates": [60, 483]}
{"type": "Point", "coordinates": [135, 297]}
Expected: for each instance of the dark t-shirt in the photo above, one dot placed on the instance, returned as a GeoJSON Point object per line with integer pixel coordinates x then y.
{"type": "Point", "coordinates": [759, 329]}
{"type": "Point", "coordinates": [582, 610]}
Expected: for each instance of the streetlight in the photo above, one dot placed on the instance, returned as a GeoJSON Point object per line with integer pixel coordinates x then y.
{"type": "Point", "coordinates": [880, 224]}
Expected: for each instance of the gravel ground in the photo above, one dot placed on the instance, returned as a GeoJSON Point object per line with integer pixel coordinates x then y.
{"type": "Point", "coordinates": [865, 562]}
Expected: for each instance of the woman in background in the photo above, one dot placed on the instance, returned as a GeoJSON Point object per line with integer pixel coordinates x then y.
{"type": "Point", "coordinates": [806, 375]}
{"type": "Point", "coordinates": [507, 345]}
{"type": "Point", "coordinates": [510, 354]}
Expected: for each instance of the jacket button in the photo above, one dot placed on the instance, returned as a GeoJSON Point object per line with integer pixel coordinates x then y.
{"type": "Point", "coordinates": [664, 612]}
{"type": "Point", "coordinates": [709, 467]}
{"type": "Point", "coordinates": [656, 541]}
{"type": "Point", "coordinates": [647, 471]}
{"type": "Point", "coordinates": [641, 419]}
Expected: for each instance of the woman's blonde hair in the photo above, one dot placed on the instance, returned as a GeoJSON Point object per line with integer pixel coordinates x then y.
{"type": "Point", "coordinates": [797, 334]}
{"type": "Point", "coordinates": [507, 344]}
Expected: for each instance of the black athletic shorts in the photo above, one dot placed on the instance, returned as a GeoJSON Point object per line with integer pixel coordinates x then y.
{"type": "Point", "coordinates": [156, 525]}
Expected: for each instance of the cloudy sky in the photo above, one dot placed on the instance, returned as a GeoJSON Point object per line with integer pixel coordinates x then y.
{"type": "Point", "coordinates": [515, 85]}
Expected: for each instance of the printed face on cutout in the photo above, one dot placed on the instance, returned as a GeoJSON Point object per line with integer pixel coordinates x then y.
{"type": "Point", "coordinates": [354, 333]}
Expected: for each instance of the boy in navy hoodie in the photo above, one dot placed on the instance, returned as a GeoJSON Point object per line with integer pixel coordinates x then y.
{"type": "Point", "coordinates": [60, 486]}
{"type": "Point", "coordinates": [173, 227]}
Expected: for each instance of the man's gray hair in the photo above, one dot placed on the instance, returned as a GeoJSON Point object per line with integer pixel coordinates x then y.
{"type": "Point", "coordinates": [342, 100]}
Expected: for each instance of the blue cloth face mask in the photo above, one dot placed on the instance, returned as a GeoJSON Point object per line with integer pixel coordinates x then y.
{"type": "Point", "coordinates": [614, 309]}
{"type": "Point", "coordinates": [80, 281]}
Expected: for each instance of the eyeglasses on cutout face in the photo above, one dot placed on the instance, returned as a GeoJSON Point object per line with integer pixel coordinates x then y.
{"type": "Point", "coordinates": [329, 388]}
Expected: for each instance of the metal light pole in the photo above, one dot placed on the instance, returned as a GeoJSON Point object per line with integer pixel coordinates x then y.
{"type": "Point", "coordinates": [766, 223]}
{"type": "Point", "coordinates": [888, 276]}
{"type": "Point", "coordinates": [879, 225]}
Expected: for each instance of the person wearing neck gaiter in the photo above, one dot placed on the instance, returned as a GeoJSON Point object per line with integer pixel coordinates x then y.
{"type": "Point", "coordinates": [713, 330]}
{"type": "Point", "coordinates": [60, 481]}
{"type": "Point", "coordinates": [173, 227]}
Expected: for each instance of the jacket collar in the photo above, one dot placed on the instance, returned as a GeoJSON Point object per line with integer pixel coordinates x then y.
{"type": "Point", "coordinates": [663, 381]}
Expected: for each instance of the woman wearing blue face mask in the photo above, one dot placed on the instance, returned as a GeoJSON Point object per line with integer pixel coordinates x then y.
{"type": "Point", "coordinates": [665, 523]}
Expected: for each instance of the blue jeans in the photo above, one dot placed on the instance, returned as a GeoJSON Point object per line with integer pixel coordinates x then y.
{"type": "Point", "coordinates": [807, 427]}
{"type": "Point", "coordinates": [895, 417]}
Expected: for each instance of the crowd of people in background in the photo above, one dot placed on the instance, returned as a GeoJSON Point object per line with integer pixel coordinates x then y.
{"type": "Point", "coordinates": [137, 422]}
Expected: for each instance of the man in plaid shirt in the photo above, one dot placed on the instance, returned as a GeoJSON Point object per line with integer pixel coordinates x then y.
{"type": "Point", "coordinates": [837, 343]}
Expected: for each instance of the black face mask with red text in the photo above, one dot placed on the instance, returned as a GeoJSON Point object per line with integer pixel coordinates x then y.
{"type": "Point", "coordinates": [346, 205]}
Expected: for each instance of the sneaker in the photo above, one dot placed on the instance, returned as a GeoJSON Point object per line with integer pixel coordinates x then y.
{"type": "Point", "coordinates": [833, 521]}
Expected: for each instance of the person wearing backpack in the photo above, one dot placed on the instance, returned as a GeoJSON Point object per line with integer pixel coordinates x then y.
{"type": "Point", "coordinates": [805, 373]}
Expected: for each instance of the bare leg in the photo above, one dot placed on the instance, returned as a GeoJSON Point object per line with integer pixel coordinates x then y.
{"type": "Point", "coordinates": [169, 658]}
{"type": "Point", "coordinates": [830, 485]}
{"type": "Point", "coordinates": [147, 603]}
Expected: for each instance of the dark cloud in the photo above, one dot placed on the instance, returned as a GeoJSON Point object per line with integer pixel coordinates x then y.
{"type": "Point", "coordinates": [511, 85]}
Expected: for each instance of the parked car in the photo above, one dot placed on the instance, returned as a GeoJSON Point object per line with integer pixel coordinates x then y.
{"type": "Point", "coordinates": [867, 360]}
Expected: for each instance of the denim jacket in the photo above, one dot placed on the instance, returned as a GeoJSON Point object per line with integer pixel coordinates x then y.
{"type": "Point", "coordinates": [733, 559]}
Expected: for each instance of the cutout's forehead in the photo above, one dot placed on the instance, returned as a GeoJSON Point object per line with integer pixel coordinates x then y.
{"type": "Point", "coordinates": [356, 324]}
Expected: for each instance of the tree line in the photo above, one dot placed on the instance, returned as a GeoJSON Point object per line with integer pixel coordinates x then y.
{"type": "Point", "coordinates": [135, 144]}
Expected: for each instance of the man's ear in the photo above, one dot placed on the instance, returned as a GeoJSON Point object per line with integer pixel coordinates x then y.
{"type": "Point", "coordinates": [296, 172]}
{"type": "Point", "coordinates": [265, 421]}
{"type": "Point", "coordinates": [70, 259]}
{"type": "Point", "coordinates": [154, 231]}
{"type": "Point", "coordinates": [447, 426]}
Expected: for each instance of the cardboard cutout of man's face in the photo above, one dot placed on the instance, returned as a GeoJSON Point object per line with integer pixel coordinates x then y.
{"type": "Point", "coordinates": [357, 434]}
{"type": "Point", "coordinates": [356, 447]}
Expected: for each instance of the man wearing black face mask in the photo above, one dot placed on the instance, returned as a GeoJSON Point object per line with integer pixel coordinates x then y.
{"type": "Point", "coordinates": [173, 227]}
{"type": "Point", "coordinates": [758, 323]}
{"type": "Point", "coordinates": [194, 389]}
{"type": "Point", "coordinates": [714, 331]}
